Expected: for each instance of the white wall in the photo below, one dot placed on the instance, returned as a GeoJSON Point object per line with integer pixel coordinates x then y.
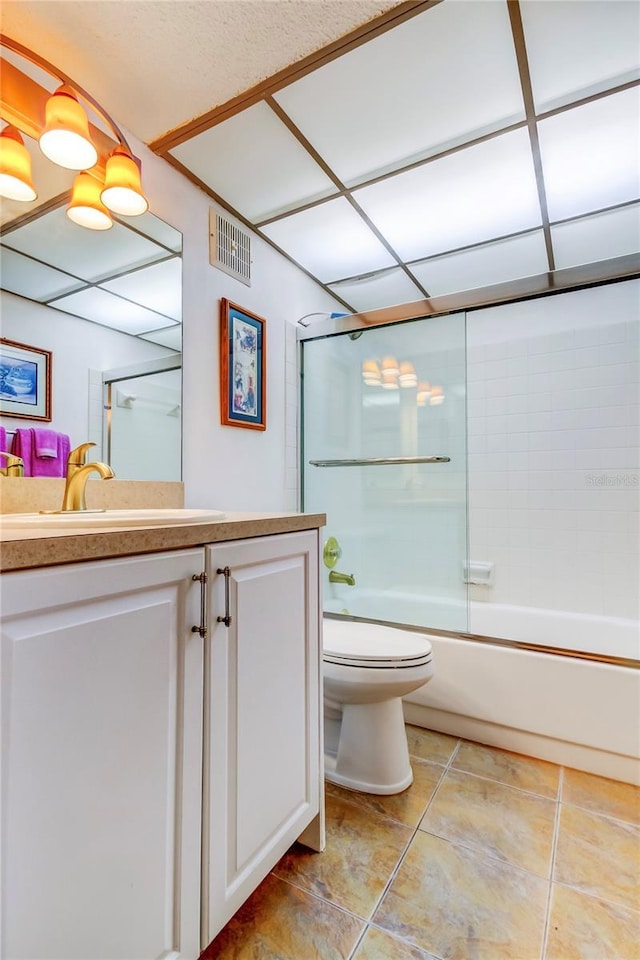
{"type": "Point", "coordinates": [231, 468]}
{"type": "Point", "coordinates": [553, 451]}
{"type": "Point", "coordinates": [78, 347]}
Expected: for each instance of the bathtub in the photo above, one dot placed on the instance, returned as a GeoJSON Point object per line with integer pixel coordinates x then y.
{"type": "Point", "coordinates": [606, 636]}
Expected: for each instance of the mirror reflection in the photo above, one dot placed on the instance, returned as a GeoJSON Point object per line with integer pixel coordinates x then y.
{"type": "Point", "coordinates": [108, 305]}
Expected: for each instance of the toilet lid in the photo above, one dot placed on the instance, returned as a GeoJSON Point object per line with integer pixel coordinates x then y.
{"type": "Point", "coordinates": [371, 644]}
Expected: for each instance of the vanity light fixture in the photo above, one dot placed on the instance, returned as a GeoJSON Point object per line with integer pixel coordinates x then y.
{"type": "Point", "coordinates": [86, 208]}
{"type": "Point", "coordinates": [407, 376]}
{"type": "Point", "coordinates": [15, 167]}
{"type": "Point", "coordinates": [69, 140]}
{"type": "Point", "coordinates": [65, 139]}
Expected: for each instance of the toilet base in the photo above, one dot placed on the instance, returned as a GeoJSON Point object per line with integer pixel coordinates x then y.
{"type": "Point", "coordinates": [366, 747]}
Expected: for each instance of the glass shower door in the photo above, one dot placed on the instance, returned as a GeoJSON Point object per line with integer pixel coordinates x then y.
{"type": "Point", "coordinates": [384, 456]}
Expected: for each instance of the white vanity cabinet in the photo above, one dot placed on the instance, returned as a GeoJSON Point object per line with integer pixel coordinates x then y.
{"type": "Point", "coordinates": [156, 761]}
{"type": "Point", "coordinates": [262, 780]}
{"type": "Point", "coordinates": [102, 697]}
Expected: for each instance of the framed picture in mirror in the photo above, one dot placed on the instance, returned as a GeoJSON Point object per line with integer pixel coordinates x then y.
{"type": "Point", "coordinates": [25, 381]}
{"type": "Point", "coordinates": [242, 367]}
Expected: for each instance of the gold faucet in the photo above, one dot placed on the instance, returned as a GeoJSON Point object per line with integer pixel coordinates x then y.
{"type": "Point", "coordinates": [78, 473]}
{"type": "Point", "coordinates": [14, 467]}
{"type": "Point", "coordinates": [336, 577]}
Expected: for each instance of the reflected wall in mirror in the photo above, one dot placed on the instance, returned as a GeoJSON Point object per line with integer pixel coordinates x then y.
{"type": "Point", "coordinates": [99, 301]}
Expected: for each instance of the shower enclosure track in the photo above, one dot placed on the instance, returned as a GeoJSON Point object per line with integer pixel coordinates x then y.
{"type": "Point", "coordinates": [377, 461]}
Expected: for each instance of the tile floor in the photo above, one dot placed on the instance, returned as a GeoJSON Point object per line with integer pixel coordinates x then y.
{"type": "Point", "coordinates": [488, 856]}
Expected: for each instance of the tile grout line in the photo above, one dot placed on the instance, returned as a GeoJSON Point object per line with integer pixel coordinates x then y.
{"type": "Point", "coordinates": [503, 783]}
{"type": "Point", "coordinates": [369, 922]}
{"type": "Point", "coordinates": [394, 872]}
{"type": "Point", "coordinates": [552, 866]}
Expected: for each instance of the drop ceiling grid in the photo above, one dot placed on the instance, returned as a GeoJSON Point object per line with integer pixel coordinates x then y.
{"type": "Point", "coordinates": [307, 115]}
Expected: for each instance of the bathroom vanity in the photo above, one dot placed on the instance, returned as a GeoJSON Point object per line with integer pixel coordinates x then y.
{"type": "Point", "coordinates": [162, 746]}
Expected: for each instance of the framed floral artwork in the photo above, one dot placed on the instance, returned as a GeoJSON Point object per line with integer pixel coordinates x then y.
{"type": "Point", "coordinates": [242, 367]}
{"type": "Point", "coordinates": [25, 381]}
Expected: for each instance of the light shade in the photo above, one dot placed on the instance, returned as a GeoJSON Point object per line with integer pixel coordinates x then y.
{"type": "Point", "coordinates": [122, 191]}
{"type": "Point", "coordinates": [15, 167]}
{"type": "Point", "coordinates": [86, 208]}
{"type": "Point", "coordinates": [65, 138]}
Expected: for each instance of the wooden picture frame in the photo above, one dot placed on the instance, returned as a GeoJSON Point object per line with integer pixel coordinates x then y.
{"type": "Point", "coordinates": [25, 381]}
{"type": "Point", "coordinates": [243, 352]}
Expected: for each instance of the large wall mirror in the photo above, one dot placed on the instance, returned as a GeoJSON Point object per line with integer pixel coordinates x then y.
{"type": "Point", "coordinates": [108, 305]}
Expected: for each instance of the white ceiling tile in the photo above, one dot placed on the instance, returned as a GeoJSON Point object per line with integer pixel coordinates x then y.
{"type": "Point", "coordinates": [170, 337]}
{"type": "Point", "coordinates": [591, 155]}
{"type": "Point", "coordinates": [577, 49]}
{"type": "Point", "coordinates": [32, 279]}
{"type": "Point", "coordinates": [441, 78]}
{"type": "Point", "coordinates": [111, 311]}
{"type": "Point", "coordinates": [158, 287]}
{"type": "Point", "coordinates": [476, 194]}
{"type": "Point", "coordinates": [523, 256]}
{"type": "Point", "coordinates": [88, 254]}
{"type": "Point", "coordinates": [600, 237]}
{"type": "Point", "coordinates": [330, 240]}
{"type": "Point", "coordinates": [255, 164]}
{"type": "Point", "coordinates": [153, 227]}
{"type": "Point", "coordinates": [380, 290]}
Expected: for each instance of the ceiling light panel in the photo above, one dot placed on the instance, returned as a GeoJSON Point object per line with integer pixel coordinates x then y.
{"type": "Point", "coordinates": [477, 194]}
{"type": "Point", "coordinates": [331, 241]}
{"type": "Point", "coordinates": [591, 155]}
{"type": "Point", "coordinates": [441, 78]}
{"type": "Point", "coordinates": [243, 160]}
{"type": "Point", "coordinates": [111, 311]}
{"type": "Point", "coordinates": [615, 233]}
{"type": "Point", "coordinates": [523, 256]}
{"type": "Point", "coordinates": [54, 239]}
{"type": "Point", "coordinates": [33, 280]}
{"type": "Point", "coordinates": [578, 49]}
{"type": "Point", "coordinates": [158, 287]}
{"type": "Point", "coordinates": [171, 337]}
{"type": "Point", "coordinates": [380, 290]}
{"type": "Point", "coordinates": [153, 227]}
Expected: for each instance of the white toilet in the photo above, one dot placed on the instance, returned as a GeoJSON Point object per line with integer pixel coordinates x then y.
{"type": "Point", "coordinates": [368, 668]}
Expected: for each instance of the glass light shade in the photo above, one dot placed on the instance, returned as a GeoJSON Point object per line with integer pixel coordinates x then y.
{"type": "Point", "coordinates": [437, 396]}
{"type": "Point", "coordinates": [408, 376]}
{"type": "Point", "coordinates": [86, 208]}
{"type": "Point", "coordinates": [390, 366]}
{"type": "Point", "coordinates": [15, 167]}
{"type": "Point", "coordinates": [371, 373]}
{"type": "Point", "coordinates": [122, 191]}
{"type": "Point", "coordinates": [65, 139]}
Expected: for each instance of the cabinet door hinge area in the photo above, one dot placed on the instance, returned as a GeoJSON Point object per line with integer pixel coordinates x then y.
{"type": "Point", "coordinates": [201, 628]}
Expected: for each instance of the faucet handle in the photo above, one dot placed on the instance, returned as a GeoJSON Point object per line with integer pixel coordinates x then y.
{"type": "Point", "coordinates": [14, 467]}
{"type": "Point", "coordinates": [78, 456]}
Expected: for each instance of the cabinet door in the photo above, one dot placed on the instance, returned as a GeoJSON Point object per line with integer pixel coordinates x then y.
{"type": "Point", "coordinates": [101, 759]}
{"type": "Point", "coordinates": [262, 714]}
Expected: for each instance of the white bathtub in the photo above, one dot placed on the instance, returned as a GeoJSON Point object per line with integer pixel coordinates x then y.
{"type": "Point", "coordinates": [607, 636]}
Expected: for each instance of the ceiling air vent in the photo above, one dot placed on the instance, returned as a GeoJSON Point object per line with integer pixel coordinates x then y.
{"type": "Point", "coordinates": [229, 247]}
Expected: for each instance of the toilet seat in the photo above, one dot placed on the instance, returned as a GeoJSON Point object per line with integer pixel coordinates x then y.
{"type": "Point", "coordinates": [373, 645]}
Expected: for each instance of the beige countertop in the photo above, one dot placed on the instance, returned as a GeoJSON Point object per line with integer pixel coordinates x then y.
{"type": "Point", "coordinates": [22, 549]}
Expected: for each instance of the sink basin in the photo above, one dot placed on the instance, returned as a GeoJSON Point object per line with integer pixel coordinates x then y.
{"type": "Point", "coordinates": [107, 518]}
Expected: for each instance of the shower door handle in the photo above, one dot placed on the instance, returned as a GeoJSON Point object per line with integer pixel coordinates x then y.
{"type": "Point", "coordinates": [378, 461]}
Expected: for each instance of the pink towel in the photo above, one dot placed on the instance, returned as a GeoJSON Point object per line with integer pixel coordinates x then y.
{"type": "Point", "coordinates": [24, 445]}
{"type": "Point", "coordinates": [45, 443]}
{"type": "Point", "coordinates": [3, 440]}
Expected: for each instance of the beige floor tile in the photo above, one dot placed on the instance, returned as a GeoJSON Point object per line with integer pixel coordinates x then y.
{"type": "Point", "coordinates": [378, 945]}
{"type": "Point", "coordinates": [430, 745]}
{"type": "Point", "coordinates": [609, 797]}
{"type": "Point", "coordinates": [583, 928]}
{"type": "Point", "coordinates": [598, 856]}
{"type": "Point", "coordinates": [526, 773]}
{"type": "Point", "coordinates": [408, 806]}
{"type": "Point", "coordinates": [457, 904]}
{"type": "Point", "coordinates": [280, 922]}
{"type": "Point", "coordinates": [362, 851]}
{"type": "Point", "coordinates": [494, 819]}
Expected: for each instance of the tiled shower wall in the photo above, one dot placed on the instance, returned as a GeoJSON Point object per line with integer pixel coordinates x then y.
{"type": "Point", "coordinates": [553, 429]}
